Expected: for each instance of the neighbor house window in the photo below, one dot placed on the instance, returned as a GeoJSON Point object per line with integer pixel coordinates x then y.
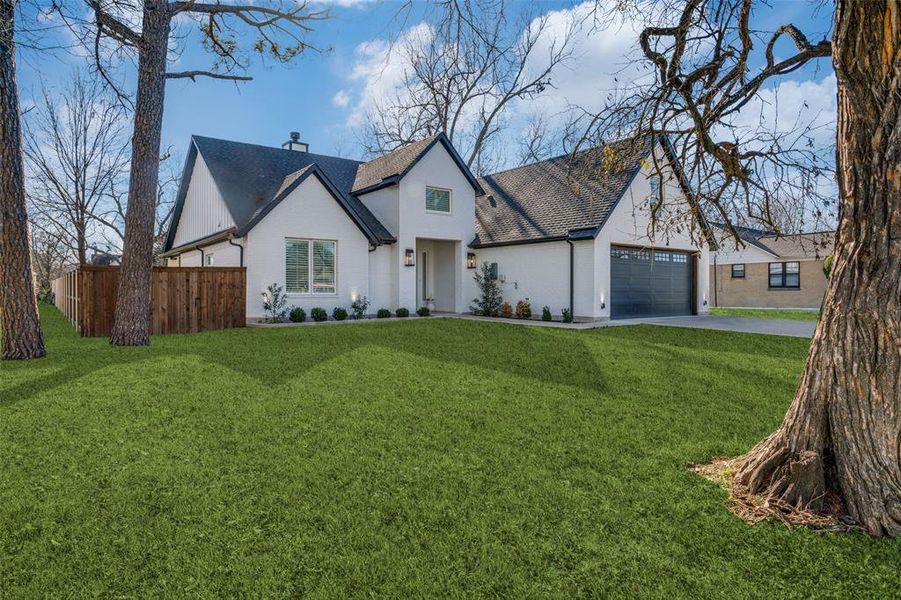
{"type": "Point", "coordinates": [654, 181]}
{"type": "Point", "coordinates": [310, 266]}
{"type": "Point", "coordinates": [738, 271]}
{"type": "Point", "coordinates": [437, 200]}
{"type": "Point", "coordinates": [785, 275]}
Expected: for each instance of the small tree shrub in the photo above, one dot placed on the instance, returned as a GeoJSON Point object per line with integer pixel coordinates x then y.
{"type": "Point", "coordinates": [488, 304]}
{"type": "Point", "coordinates": [506, 310]}
{"type": "Point", "coordinates": [546, 314]}
{"type": "Point", "coordinates": [524, 309]}
{"type": "Point", "coordinates": [383, 313]}
{"type": "Point", "coordinates": [274, 301]}
{"type": "Point", "coordinates": [339, 313]}
{"type": "Point", "coordinates": [423, 311]}
{"type": "Point", "coordinates": [359, 307]}
{"type": "Point", "coordinates": [402, 312]}
{"type": "Point", "coordinates": [297, 315]}
{"type": "Point", "coordinates": [319, 314]}
{"type": "Point", "coordinates": [567, 315]}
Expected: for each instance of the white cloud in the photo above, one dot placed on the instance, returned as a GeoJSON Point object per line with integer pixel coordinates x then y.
{"type": "Point", "coordinates": [381, 67]}
{"type": "Point", "coordinates": [341, 99]}
{"type": "Point", "coordinates": [602, 58]}
{"type": "Point", "coordinates": [792, 106]}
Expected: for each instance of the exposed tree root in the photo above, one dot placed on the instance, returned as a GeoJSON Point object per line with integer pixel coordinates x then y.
{"type": "Point", "coordinates": [825, 513]}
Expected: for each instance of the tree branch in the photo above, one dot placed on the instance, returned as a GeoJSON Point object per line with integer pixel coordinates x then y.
{"type": "Point", "coordinates": [192, 75]}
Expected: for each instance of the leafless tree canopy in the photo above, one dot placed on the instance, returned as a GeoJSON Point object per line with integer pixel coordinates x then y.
{"type": "Point", "coordinates": [76, 149]}
{"type": "Point", "coordinates": [707, 65]}
{"type": "Point", "coordinates": [462, 75]}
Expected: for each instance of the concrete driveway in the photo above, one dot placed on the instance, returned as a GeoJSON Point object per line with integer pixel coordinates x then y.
{"type": "Point", "coordinates": [741, 324]}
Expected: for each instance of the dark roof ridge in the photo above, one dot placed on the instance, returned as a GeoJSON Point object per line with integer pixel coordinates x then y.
{"type": "Point", "coordinates": [280, 149]}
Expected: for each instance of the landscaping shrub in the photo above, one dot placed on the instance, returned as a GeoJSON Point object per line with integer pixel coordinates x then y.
{"type": "Point", "coordinates": [506, 310]}
{"type": "Point", "coordinates": [524, 309]}
{"type": "Point", "coordinates": [274, 301]}
{"type": "Point", "coordinates": [359, 307]}
{"type": "Point", "coordinates": [567, 315]}
{"type": "Point", "coordinates": [383, 313]}
{"type": "Point", "coordinates": [339, 313]}
{"type": "Point", "coordinates": [319, 314]}
{"type": "Point", "coordinates": [546, 314]}
{"type": "Point", "coordinates": [402, 312]}
{"type": "Point", "coordinates": [297, 315]}
{"type": "Point", "coordinates": [489, 301]}
{"type": "Point", "coordinates": [423, 311]}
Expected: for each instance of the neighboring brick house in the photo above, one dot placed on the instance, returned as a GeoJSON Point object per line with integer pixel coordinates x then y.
{"type": "Point", "coordinates": [769, 271]}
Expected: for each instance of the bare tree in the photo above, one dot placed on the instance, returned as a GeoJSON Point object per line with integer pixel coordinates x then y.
{"type": "Point", "coordinates": [49, 255]}
{"type": "Point", "coordinates": [280, 27]}
{"type": "Point", "coordinates": [841, 437]}
{"type": "Point", "coordinates": [462, 76]}
{"type": "Point", "coordinates": [113, 215]}
{"type": "Point", "coordinates": [21, 328]}
{"type": "Point", "coordinates": [76, 151]}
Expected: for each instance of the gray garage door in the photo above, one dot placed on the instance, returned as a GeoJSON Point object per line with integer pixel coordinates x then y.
{"type": "Point", "coordinates": [649, 283]}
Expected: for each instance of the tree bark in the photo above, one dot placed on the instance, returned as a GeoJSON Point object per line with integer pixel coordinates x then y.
{"type": "Point", "coordinates": [131, 326]}
{"type": "Point", "coordinates": [21, 326]}
{"type": "Point", "coordinates": [842, 433]}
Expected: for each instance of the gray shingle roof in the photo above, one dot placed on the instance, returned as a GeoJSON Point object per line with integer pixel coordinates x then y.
{"type": "Point", "coordinates": [250, 176]}
{"type": "Point", "coordinates": [393, 164]}
{"type": "Point", "coordinates": [796, 245]}
{"type": "Point", "coordinates": [547, 200]}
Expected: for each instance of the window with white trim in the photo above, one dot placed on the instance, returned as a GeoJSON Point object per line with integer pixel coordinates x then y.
{"type": "Point", "coordinates": [310, 266]}
{"type": "Point", "coordinates": [437, 200]}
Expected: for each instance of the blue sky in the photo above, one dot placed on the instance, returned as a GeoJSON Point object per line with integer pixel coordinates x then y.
{"type": "Point", "coordinates": [302, 95]}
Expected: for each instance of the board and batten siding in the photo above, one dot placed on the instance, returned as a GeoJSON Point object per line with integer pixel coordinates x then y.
{"type": "Point", "coordinates": [204, 211]}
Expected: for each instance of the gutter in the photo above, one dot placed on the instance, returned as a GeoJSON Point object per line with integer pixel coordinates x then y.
{"type": "Point", "coordinates": [209, 240]}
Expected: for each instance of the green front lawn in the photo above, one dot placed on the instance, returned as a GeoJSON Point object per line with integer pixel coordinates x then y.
{"type": "Point", "coordinates": [414, 459]}
{"type": "Point", "coordinates": [766, 313]}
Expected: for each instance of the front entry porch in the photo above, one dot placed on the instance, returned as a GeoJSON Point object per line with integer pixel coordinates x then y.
{"type": "Point", "coordinates": [438, 269]}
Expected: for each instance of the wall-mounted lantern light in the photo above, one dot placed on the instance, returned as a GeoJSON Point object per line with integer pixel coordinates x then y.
{"type": "Point", "coordinates": [408, 257]}
{"type": "Point", "coordinates": [603, 304]}
{"type": "Point", "coordinates": [470, 260]}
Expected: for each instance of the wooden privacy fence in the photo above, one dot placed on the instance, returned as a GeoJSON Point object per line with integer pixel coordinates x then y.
{"type": "Point", "coordinates": [182, 299]}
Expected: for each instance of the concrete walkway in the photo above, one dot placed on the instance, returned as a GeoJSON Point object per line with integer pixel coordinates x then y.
{"type": "Point", "coordinates": [741, 324]}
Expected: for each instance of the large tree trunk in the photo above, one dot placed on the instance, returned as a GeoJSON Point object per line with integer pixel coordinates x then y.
{"type": "Point", "coordinates": [21, 327]}
{"type": "Point", "coordinates": [131, 326]}
{"type": "Point", "coordinates": [842, 433]}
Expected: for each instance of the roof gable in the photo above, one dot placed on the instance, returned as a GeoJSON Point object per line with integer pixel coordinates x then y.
{"type": "Point", "coordinates": [390, 169]}
{"type": "Point", "coordinates": [551, 199]}
{"type": "Point", "coordinates": [250, 177]}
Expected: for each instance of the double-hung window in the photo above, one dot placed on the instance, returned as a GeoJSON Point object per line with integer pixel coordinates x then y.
{"type": "Point", "coordinates": [738, 271]}
{"type": "Point", "coordinates": [437, 200]}
{"type": "Point", "coordinates": [310, 266]}
{"type": "Point", "coordinates": [785, 275]}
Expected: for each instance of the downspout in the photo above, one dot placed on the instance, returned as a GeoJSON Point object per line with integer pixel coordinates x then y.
{"type": "Point", "coordinates": [715, 286]}
{"type": "Point", "coordinates": [231, 240]}
{"type": "Point", "coordinates": [572, 286]}
{"type": "Point", "coordinates": [202, 256]}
